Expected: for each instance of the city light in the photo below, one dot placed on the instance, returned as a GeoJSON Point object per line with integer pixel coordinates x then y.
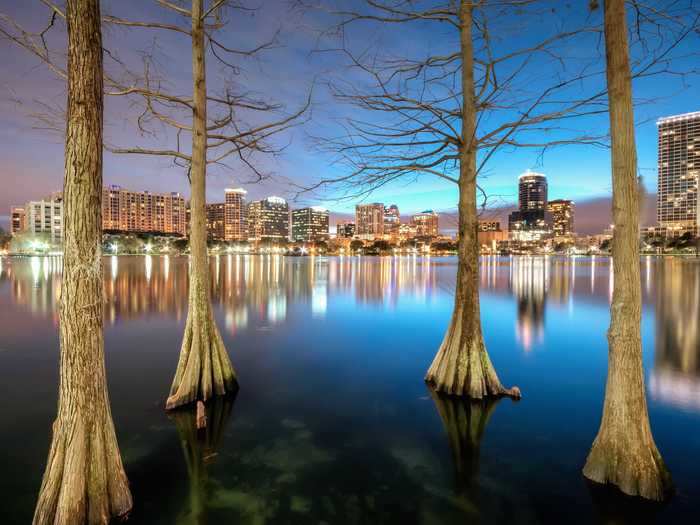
{"type": "Point", "coordinates": [38, 246]}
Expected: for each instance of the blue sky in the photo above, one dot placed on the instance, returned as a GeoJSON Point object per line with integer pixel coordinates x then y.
{"type": "Point", "coordinates": [32, 162]}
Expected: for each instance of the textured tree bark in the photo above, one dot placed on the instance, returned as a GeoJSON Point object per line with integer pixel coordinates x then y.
{"type": "Point", "coordinates": [204, 368]}
{"type": "Point", "coordinates": [624, 453]}
{"type": "Point", "coordinates": [84, 481]}
{"type": "Point", "coordinates": [462, 365]}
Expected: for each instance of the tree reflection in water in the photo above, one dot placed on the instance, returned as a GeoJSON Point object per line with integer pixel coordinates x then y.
{"type": "Point", "coordinates": [465, 421]}
{"type": "Point", "coordinates": [200, 448]}
{"type": "Point", "coordinates": [615, 508]}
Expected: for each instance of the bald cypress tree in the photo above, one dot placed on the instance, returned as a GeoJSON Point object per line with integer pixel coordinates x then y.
{"type": "Point", "coordinates": [84, 481]}
{"type": "Point", "coordinates": [624, 453]}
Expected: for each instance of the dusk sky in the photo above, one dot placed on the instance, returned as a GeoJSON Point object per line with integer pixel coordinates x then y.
{"type": "Point", "coordinates": [32, 159]}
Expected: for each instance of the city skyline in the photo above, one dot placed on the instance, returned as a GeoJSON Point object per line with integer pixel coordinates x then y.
{"type": "Point", "coordinates": [588, 213]}
{"type": "Point", "coordinates": [588, 210]}
{"type": "Point", "coordinates": [580, 173]}
{"type": "Point", "coordinates": [346, 212]}
{"type": "Point", "coordinates": [376, 228]}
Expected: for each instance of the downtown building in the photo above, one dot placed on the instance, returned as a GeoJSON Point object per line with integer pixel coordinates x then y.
{"type": "Point", "coordinates": [426, 224]}
{"type": "Point", "coordinates": [561, 212]}
{"type": "Point", "coordinates": [531, 220]}
{"type": "Point", "coordinates": [369, 220]}
{"type": "Point", "coordinates": [268, 220]}
{"type": "Point", "coordinates": [392, 221]}
{"type": "Point", "coordinates": [18, 219]}
{"type": "Point", "coordinates": [126, 211]}
{"type": "Point", "coordinates": [489, 234]}
{"type": "Point", "coordinates": [679, 169]}
{"type": "Point", "coordinates": [227, 221]}
{"type": "Point", "coordinates": [216, 214]}
{"type": "Point", "coordinates": [235, 215]}
{"type": "Point", "coordinates": [42, 218]}
{"type": "Point", "coordinates": [345, 230]}
{"type": "Point", "coordinates": [310, 224]}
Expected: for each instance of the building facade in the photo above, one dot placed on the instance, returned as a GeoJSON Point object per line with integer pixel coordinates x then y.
{"type": "Point", "coordinates": [426, 223]}
{"type": "Point", "coordinates": [487, 225]}
{"type": "Point", "coordinates": [45, 218]}
{"type": "Point", "coordinates": [345, 230]}
{"type": "Point", "coordinates": [18, 222]}
{"type": "Point", "coordinates": [268, 219]}
{"type": "Point", "coordinates": [369, 220]}
{"type": "Point", "coordinates": [407, 231]}
{"type": "Point", "coordinates": [310, 224]}
{"type": "Point", "coordinates": [562, 217]}
{"type": "Point", "coordinates": [679, 168]}
{"type": "Point", "coordinates": [531, 221]}
{"type": "Point", "coordinates": [532, 191]}
{"type": "Point", "coordinates": [143, 212]}
{"type": "Point", "coordinates": [215, 221]}
{"type": "Point", "coordinates": [392, 221]}
{"type": "Point", "coordinates": [235, 215]}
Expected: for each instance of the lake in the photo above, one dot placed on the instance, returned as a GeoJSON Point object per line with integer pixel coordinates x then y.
{"type": "Point", "coordinates": [333, 423]}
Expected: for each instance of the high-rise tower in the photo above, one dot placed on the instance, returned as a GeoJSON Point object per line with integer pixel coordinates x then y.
{"type": "Point", "coordinates": [310, 224]}
{"type": "Point", "coordinates": [268, 219]}
{"type": "Point", "coordinates": [532, 191]}
{"type": "Point", "coordinates": [530, 221]}
{"type": "Point", "coordinates": [562, 212]}
{"type": "Point", "coordinates": [679, 167]}
{"type": "Point", "coordinates": [235, 227]}
{"type": "Point", "coordinates": [369, 219]}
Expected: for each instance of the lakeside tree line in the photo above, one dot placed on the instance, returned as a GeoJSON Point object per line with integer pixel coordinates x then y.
{"type": "Point", "coordinates": [447, 114]}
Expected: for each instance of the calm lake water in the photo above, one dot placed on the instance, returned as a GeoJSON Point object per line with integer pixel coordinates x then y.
{"type": "Point", "coordinates": [333, 423]}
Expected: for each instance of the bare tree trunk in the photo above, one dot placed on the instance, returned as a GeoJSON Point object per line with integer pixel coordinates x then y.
{"type": "Point", "coordinates": [462, 366]}
{"type": "Point", "coordinates": [624, 452]}
{"type": "Point", "coordinates": [204, 368]}
{"type": "Point", "coordinates": [84, 482]}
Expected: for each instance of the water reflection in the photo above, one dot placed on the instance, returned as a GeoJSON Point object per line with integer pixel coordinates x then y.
{"type": "Point", "coordinates": [343, 432]}
{"type": "Point", "coordinates": [676, 375]}
{"type": "Point", "coordinates": [465, 422]}
{"type": "Point", "coordinates": [200, 448]}
{"type": "Point", "coordinates": [245, 287]}
{"type": "Point", "coordinates": [262, 291]}
{"type": "Point", "coordinates": [529, 281]}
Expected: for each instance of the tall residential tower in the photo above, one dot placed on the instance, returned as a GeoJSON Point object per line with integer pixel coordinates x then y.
{"type": "Point", "coordinates": [235, 223]}
{"type": "Point", "coordinates": [142, 211]}
{"type": "Point", "coordinates": [369, 220]}
{"type": "Point", "coordinates": [45, 217]}
{"type": "Point", "coordinates": [679, 166]}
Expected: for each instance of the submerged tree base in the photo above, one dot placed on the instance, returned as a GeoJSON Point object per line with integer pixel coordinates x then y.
{"type": "Point", "coordinates": [634, 466]}
{"type": "Point", "coordinates": [84, 482]}
{"type": "Point", "coordinates": [204, 369]}
{"type": "Point", "coordinates": [462, 367]}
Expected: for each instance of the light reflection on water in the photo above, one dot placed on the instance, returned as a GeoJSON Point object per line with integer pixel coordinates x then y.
{"type": "Point", "coordinates": [260, 288]}
{"type": "Point", "coordinates": [333, 423]}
